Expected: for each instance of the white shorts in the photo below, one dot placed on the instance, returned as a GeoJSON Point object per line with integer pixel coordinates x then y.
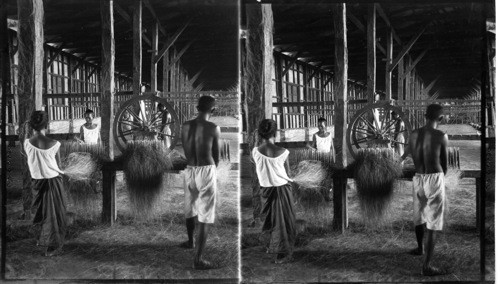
{"type": "Point", "coordinates": [428, 200]}
{"type": "Point", "coordinates": [200, 189]}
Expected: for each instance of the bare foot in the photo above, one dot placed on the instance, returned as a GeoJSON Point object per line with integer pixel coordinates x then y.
{"type": "Point", "coordinates": [203, 265]}
{"type": "Point", "coordinates": [433, 271]}
{"type": "Point", "coordinates": [417, 251]}
{"type": "Point", "coordinates": [187, 245]}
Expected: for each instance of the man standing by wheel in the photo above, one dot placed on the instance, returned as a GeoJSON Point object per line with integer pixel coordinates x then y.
{"type": "Point", "coordinates": [428, 147]}
{"type": "Point", "coordinates": [200, 140]}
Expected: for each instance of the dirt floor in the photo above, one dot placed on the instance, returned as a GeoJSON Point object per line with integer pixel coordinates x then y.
{"type": "Point", "coordinates": [372, 254]}
{"type": "Point", "coordinates": [131, 249]}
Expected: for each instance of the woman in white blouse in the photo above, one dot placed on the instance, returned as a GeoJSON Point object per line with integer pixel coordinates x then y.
{"type": "Point", "coordinates": [47, 185]}
{"type": "Point", "coordinates": [272, 168]}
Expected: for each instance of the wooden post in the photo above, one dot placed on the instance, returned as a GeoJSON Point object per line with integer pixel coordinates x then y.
{"type": "Point", "coordinates": [306, 97]}
{"type": "Point", "coordinates": [371, 53]}
{"type": "Point", "coordinates": [166, 73]}
{"type": "Point", "coordinates": [279, 90]}
{"type": "Point", "coordinates": [340, 89]}
{"type": "Point", "coordinates": [154, 47]}
{"type": "Point", "coordinates": [172, 71]}
{"type": "Point", "coordinates": [388, 72]}
{"type": "Point", "coordinates": [70, 90]}
{"type": "Point", "coordinates": [260, 65]}
{"type": "Point", "coordinates": [401, 78]}
{"type": "Point", "coordinates": [137, 46]}
{"type": "Point", "coordinates": [107, 108]}
{"type": "Point", "coordinates": [478, 204]}
{"type": "Point", "coordinates": [30, 77]}
{"type": "Point", "coordinates": [5, 91]}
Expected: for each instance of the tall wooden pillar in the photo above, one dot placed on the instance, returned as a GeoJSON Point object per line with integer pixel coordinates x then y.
{"type": "Point", "coordinates": [259, 87]}
{"type": "Point", "coordinates": [30, 77]}
{"type": "Point", "coordinates": [388, 71]}
{"type": "Point", "coordinates": [107, 107]}
{"type": "Point", "coordinates": [258, 70]}
{"type": "Point", "coordinates": [5, 91]}
{"type": "Point", "coordinates": [154, 47]}
{"type": "Point", "coordinates": [407, 79]}
{"type": "Point", "coordinates": [137, 46]}
{"type": "Point", "coordinates": [401, 78]}
{"type": "Point", "coordinates": [371, 53]}
{"type": "Point", "coordinates": [166, 72]}
{"type": "Point", "coordinates": [340, 89]}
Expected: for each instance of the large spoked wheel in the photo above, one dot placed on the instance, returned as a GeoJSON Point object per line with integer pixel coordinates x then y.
{"type": "Point", "coordinates": [146, 117]}
{"type": "Point", "coordinates": [378, 125]}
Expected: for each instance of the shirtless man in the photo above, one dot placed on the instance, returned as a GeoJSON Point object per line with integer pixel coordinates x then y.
{"type": "Point", "coordinates": [428, 147]}
{"type": "Point", "coordinates": [200, 140]}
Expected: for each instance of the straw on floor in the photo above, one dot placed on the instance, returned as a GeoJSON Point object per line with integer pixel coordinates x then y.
{"type": "Point", "coordinates": [375, 170]}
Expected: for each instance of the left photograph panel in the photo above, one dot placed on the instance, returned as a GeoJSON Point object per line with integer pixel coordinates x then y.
{"type": "Point", "coordinates": [121, 139]}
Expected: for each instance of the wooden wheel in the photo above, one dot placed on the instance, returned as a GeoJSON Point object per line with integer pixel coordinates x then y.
{"type": "Point", "coordinates": [146, 117]}
{"type": "Point", "coordinates": [378, 125]}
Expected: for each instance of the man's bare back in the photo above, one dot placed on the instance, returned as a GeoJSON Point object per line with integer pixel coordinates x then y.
{"type": "Point", "coordinates": [200, 140]}
{"type": "Point", "coordinates": [428, 147]}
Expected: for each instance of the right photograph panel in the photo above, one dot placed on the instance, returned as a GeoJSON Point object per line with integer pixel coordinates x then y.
{"type": "Point", "coordinates": [364, 127]}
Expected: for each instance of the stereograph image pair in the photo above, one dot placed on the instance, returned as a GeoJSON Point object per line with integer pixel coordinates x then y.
{"type": "Point", "coordinates": [240, 141]}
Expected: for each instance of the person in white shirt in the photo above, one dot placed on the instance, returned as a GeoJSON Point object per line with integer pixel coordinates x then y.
{"type": "Point", "coordinates": [90, 132]}
{"type": "Point", "coordinates": [47, 185]}
{"type": "Point", "coordinates": [322, 140]}
{"type": "Point", "coordinates": [323, 143]}
{"type": "Point", "coordinates": [271, 163]}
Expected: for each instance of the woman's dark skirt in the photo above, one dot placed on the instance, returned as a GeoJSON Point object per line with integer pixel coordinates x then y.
{"type": "Point", "coordinates": [279, 218]}
{"type": "Point", "coordinates": [49, 203]}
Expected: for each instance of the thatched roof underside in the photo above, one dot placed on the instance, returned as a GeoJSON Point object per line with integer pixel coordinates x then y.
{"type": "Point", "coordinates": [453, 40]}
{"type": "Point", "coordinates": [213, 29]}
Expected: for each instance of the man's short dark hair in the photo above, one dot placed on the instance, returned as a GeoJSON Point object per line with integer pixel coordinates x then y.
{"type": "Point", "coordinates": [89, 111]}
{"type": "Point", "coordinates": [321, 119]}
{"type": "Point", "coordinates": [206, 103]}
{"type": "Point", "coordinates": [39, 120]}
{"type": "Point", "coordinates": [434, 112]}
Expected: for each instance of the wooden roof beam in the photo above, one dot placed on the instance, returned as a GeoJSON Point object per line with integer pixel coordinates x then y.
{"type": "Point", "coordinates": [194, 78]}
{"type": "Point", "coordinates": [92, 72]}
{"type": "Point", "coordinates": [170, 42]}
{"type": "Point", "coordinates": [429, 87]}
{"type": "Point", "coordinates": [407, 48]}
{"type": "Point", "coordinates": [80, 63]}
{"type": "Point", "coordinates": [383, 15]}
{"type": "Point", "coordinates": [313, 74]}
{"type": "Point", "coordinates": [179, 55]}
{"type": "Point", "coordinates": [414, 63]}
{"type": "Point", "coordinates": [199, 87]}
{"type": "Point", "coordinates": [54, 56]}
{"type": "Point", "coordinates": [327, 81]}
{"type": "Point", "coordinates": [362, 28]}
{"type": "Point", "coordinates": [128, 19]}
{"type": "Point", "coordinates": [290, 64]}
{"type": "Point", "coordinates": [153, 13]}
